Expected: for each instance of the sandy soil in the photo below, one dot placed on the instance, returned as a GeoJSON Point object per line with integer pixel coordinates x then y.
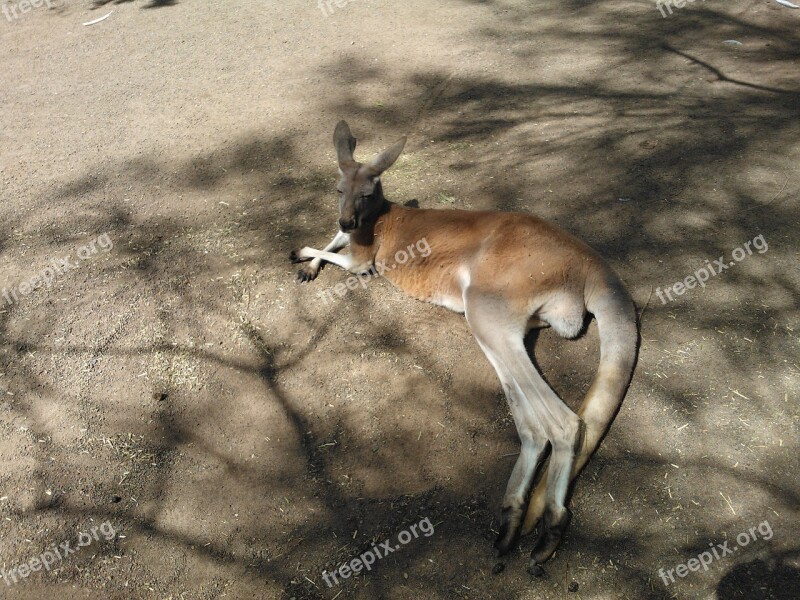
{"type": "Point", "coordinates": [241, 436]}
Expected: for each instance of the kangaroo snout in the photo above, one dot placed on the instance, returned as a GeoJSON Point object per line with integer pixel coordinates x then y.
{"type": "Point", "coordinates": [347, 225]}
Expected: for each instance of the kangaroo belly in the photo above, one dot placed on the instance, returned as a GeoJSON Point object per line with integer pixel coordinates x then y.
{"type": "Point", "coordinates": [431, 282]}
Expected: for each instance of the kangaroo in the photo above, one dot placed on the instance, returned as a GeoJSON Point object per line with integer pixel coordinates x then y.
{"type": "Point", "coordinates": [507, 273]}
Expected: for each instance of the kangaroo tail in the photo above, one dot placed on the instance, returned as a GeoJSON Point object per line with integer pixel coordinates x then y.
{"type": "Point", "coordinates": [615, 314]}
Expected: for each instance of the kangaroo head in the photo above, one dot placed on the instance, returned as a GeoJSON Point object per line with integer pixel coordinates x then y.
{"type": "Point", "coordinates": [359, 187]}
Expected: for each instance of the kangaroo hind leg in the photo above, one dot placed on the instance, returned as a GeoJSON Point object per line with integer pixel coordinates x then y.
{"type": "Point", "coordinates": [501, 331]}
{"type": "Point", "coordinates": [492, 331]}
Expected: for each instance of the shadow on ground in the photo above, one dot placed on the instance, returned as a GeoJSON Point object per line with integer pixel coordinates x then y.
{"type": "Point", "coordinates": [257, 435]}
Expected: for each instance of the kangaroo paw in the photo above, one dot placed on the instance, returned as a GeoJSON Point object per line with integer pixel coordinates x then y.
{"type": "Point", "coordinates": [510, 522]}
{"type": "Point", "coordinates": [306, 274]}
{"type": "Point", "coordinates": [551, 530]}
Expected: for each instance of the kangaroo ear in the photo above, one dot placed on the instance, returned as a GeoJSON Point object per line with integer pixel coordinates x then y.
{"type": "Point", "coordinates": [344, 143]}
{"type": "Point", "coordinates": [386, 159]}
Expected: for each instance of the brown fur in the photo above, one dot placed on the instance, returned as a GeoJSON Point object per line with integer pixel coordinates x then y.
{"type": "Point", "coordinates": [545, 259]}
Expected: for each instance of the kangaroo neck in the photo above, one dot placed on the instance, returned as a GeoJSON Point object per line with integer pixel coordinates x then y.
{"type": "Point", "coordinates": [367, 237]}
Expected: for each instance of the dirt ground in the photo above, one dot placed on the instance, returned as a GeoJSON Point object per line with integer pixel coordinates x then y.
{"type": "Point", "coordinates": [236, 435]}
